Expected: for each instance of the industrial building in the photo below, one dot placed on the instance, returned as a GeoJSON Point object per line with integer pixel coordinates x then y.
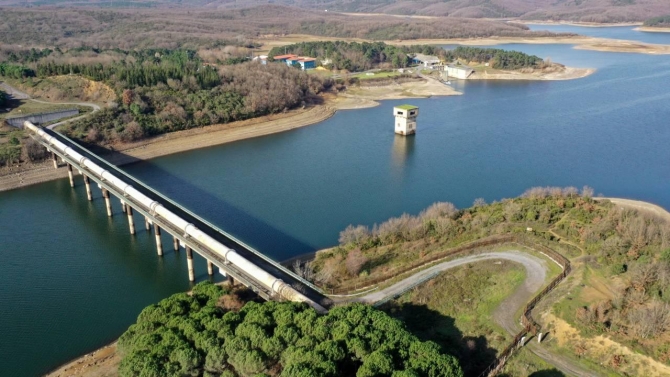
{"type": "Point", "coordinates": [425, 60]}
{"type": "Point", "coordinates": [290, 59]}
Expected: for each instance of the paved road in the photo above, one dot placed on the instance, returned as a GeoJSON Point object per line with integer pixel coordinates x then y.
{"type": "Point", "coordinates": [17, 94]}
{"type": "Point", "coordinates": [536, 272]}
{"type": "Point", "coordinates": [506, 313]}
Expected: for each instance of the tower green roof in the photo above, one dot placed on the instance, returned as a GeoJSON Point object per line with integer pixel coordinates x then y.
{"type": "Point", "coordinates": [407, 107]}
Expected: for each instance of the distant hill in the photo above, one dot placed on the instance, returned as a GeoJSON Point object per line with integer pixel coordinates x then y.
{"type": "Point", "coordinates": [606, 11]}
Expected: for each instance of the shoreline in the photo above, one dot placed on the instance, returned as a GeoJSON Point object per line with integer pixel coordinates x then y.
{"type": "Point", "coordinates": [568, 73]}
{"type": "Point", "coordinates": [27, 174]}
{"type": "Point", "coordinates": [652, 29]}
{"type": "Point", "coordinates": [580, 42]}
{"type": "Point", "coordinates": [575, 23]}
{"type": "Point", "coordinates": [104, 362]}
{"type": "Point", "coordinates": [353, 98]}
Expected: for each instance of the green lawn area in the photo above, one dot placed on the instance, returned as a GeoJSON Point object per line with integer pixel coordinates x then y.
{"type": "Point", "coordinates": [376, 75]}
{"type": "Point", "coordinates": [455, 310]}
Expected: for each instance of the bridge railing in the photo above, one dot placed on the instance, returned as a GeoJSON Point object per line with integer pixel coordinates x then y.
{"type": "Point", "coordinates": [209, 224]}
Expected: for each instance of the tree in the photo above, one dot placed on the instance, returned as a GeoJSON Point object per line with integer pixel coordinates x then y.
{"type": "Point", "coordinates": [355, 261]}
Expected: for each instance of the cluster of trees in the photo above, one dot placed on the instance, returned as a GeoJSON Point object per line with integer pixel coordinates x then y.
{"type": "Point", "coordinates": [498, 58]}
{"type": "Point", "coordinates": [354, 56]}
{"type": "Point", "coordinates": [15, 71]}
{"type": "Point", "coordinates": [239, 92]}
{"type": "Point", "coordinates": [28, 56]}
{"type": "Point", "coordinates": [163, 90]}
{"type": "Point", "coordinates": [150, 67]}
{"type": "Point", "coordinates": [663, 21]}
{"type": "Point", "coordinates": [207, 333]}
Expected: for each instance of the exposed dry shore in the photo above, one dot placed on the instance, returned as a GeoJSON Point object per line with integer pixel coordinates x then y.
{"type": "Point", "coordinates": [566, 74]}
{"type": "Point", "coordinates": [651, 29]}
{"type": "Point", "coordinates": [103, 362]}
{"type": "Point", "coordinates": [582, 24]}
{"type": "Point", "coordinates": [580, 42]}
{"type": "Point", "coordinates": [28, 174]}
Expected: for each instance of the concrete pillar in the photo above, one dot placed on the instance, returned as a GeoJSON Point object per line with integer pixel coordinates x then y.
{"type": "Point", "coordinates": [131, 221]}
{"type": "Point", "coordinates": [159, 242]}
{"type": "Point", "coordinates": [189, 261]}
{"type": "Point", "coordinates": [231, 281]}
{"type": "Point", "coordinates": [175, 243]}
{"type": "Point", "coordinates": [87, 182]}
{"type": "Point", "coordinates": [210, 268]}
{"type": "Point", "coordinates": [539, 337]}
{"type": "Point", "coordinates": [55, 160]}
{"type": "Point", "coordinates": [70, 174]}
{"type": "Point", "coordinates": [123, 207]}
{"type": "Point", "coordinates": [108, 201]}
{"type": "Point", "coordinates": [147, 225]}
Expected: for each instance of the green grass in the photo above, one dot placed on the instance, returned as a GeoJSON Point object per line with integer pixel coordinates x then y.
{"type": "Point", "coordinates": [27, 107]}
{"type": "Point", "coordinates": [525, 363]}
{"type": "Point", "coordinates": [377, 75]}
{"type": "Point", "coordinates": [456, 308]}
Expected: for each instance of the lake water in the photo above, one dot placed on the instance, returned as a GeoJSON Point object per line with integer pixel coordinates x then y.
{"type": "Point", "coordinates": [73, 280]}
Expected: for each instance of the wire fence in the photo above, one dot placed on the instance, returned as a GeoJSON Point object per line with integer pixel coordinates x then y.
{"type": "Point", "coordinates": [530, 326]}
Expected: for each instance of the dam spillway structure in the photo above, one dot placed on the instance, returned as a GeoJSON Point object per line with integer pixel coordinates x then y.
{"type": "Point", "coordinates": [405, 119]}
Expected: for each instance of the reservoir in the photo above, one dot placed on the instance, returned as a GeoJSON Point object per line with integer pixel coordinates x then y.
{"type": "Point", "coordinates": [73, 280]}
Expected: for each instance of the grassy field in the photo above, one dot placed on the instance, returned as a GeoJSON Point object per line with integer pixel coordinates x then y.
{"type": "Point", "coordinates": [455, 310]}
{"type": "Point", "coordinates": [376, 75]}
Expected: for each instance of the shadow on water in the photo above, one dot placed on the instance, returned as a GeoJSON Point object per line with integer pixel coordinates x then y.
{"type": "Point", "coordinates": [473, 353]}
{"type": "Point", "coordinates": [255, 232]}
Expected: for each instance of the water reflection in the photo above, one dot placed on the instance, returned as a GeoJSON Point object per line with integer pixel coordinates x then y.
{"type": "Point", "coordinates": [401, 153]}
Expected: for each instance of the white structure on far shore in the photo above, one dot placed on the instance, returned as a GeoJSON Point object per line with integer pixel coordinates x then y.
{"type": "Point", "coordinates": [405, 119]}
{"type": "Point", "coordinates": [458, 71]}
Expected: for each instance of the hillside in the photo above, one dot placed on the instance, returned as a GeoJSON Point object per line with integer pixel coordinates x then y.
{"type": "Point", "coordinates": [174, 28]}
{"type": "Point", "coordinates": [606, 11]}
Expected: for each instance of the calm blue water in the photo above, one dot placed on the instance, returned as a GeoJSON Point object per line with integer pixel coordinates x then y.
{"type": "Point", "coordinates": [620, 32]}
{"type": "Point", "coordinates": [72, 279]}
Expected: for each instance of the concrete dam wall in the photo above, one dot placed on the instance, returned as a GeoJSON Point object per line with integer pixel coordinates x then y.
{"type": "Point", "coordinates": [41, 118]}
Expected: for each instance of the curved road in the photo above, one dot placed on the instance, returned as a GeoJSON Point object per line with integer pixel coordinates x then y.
{"type": "Point", "coordinates": [505, 315]}
{"type": "Point", "coordinates": [17, 94]}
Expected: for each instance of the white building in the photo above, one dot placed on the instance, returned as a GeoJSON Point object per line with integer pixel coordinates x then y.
{"type": "Point", "coordinates": [405, 119]}
{"type": "Point", "coordinates": [425, 60]}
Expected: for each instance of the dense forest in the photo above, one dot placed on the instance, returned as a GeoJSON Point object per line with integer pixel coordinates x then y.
{"type": "Point", "coordinates": [162, 90]}
{"type": "Point", "coordinates": [630, 249]}
{"type": "Point", "coordinates": [498, 58]}
{"type": "Point", "coordinates": [354, 56]}
{"type": "Point", "coordinates": [211, 332]}
{"type": "Point", "coordinates": [663, 21]}
{"type": "Point", "coordinates": [208, 97]}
